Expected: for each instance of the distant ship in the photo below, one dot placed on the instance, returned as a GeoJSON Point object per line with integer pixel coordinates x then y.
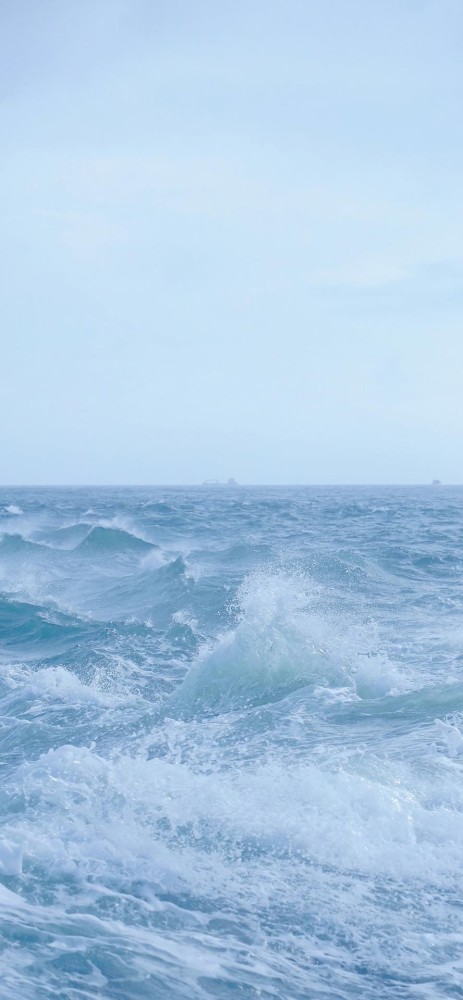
{"type": "Point", "coordinates": [436, 482]}
{"type": "Point", "coordinates": [216, 482]}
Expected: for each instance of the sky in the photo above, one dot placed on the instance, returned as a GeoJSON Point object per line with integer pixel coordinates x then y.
{"type": "Point", "coordinates": [232, 241]}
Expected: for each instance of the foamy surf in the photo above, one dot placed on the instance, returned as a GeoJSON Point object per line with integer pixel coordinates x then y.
{"type": "Point", "coordinates": [231, 744]}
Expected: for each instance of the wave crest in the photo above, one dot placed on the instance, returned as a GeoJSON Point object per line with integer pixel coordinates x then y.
{"type": "Point", "coordinates": [114, 540]}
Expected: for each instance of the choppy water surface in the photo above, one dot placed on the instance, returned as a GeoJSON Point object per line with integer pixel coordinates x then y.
{"type": "Point", "coordinates": [231, 743]}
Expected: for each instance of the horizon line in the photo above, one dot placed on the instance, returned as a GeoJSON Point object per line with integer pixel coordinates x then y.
{"type": "Point", "coordinates": [215, 486]}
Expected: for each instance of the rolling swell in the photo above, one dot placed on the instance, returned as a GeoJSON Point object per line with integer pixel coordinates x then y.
{"type": "Point", "coordinates": [231, 742]}
{"type": "Point", "coordinates": [35, 630]}
{"type": "Point", "coordinates": [113, 541]}
{"type": "Point", "coordinates": [16, 545]}
{"type": "Point", "coordinates": [67, 537]}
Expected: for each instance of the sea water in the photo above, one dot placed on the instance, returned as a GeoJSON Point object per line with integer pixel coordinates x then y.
{"type": "Point", "coordinates": [231, 725]}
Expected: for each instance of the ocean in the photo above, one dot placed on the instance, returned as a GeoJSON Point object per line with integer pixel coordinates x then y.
{"type": "Point", "coordinates": [231, 743]}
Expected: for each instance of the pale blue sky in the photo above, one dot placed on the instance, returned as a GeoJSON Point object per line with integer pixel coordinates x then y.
{"type": "Point", "coordinates": [232, 241]}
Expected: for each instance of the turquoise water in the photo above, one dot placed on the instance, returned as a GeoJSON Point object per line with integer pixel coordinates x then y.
{"type": "Point", "coordinates": [231, 743]}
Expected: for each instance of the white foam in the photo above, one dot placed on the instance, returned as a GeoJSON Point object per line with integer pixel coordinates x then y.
{"type": "Point", "coordinates": [376, 677]}
{"type": "Point", "coordinates": [350, 813]}
{"type": "Point", "coordinates": [59, 684]}
{"type": "Point", "coordinates": [155, 559]}
{"type": "Point", "coordinates": [450, 734]}
{"type": "Point", "coordinates": [11, 856]}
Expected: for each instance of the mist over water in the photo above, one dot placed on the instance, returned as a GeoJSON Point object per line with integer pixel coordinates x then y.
{"type": "Point", "coordinates": [231, 742]}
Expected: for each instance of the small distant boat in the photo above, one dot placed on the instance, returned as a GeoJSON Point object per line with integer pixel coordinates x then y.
{"type": "Point", "coordinates": [216, 482]}
{"type": "Point", "coordinates": [436, 482]}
